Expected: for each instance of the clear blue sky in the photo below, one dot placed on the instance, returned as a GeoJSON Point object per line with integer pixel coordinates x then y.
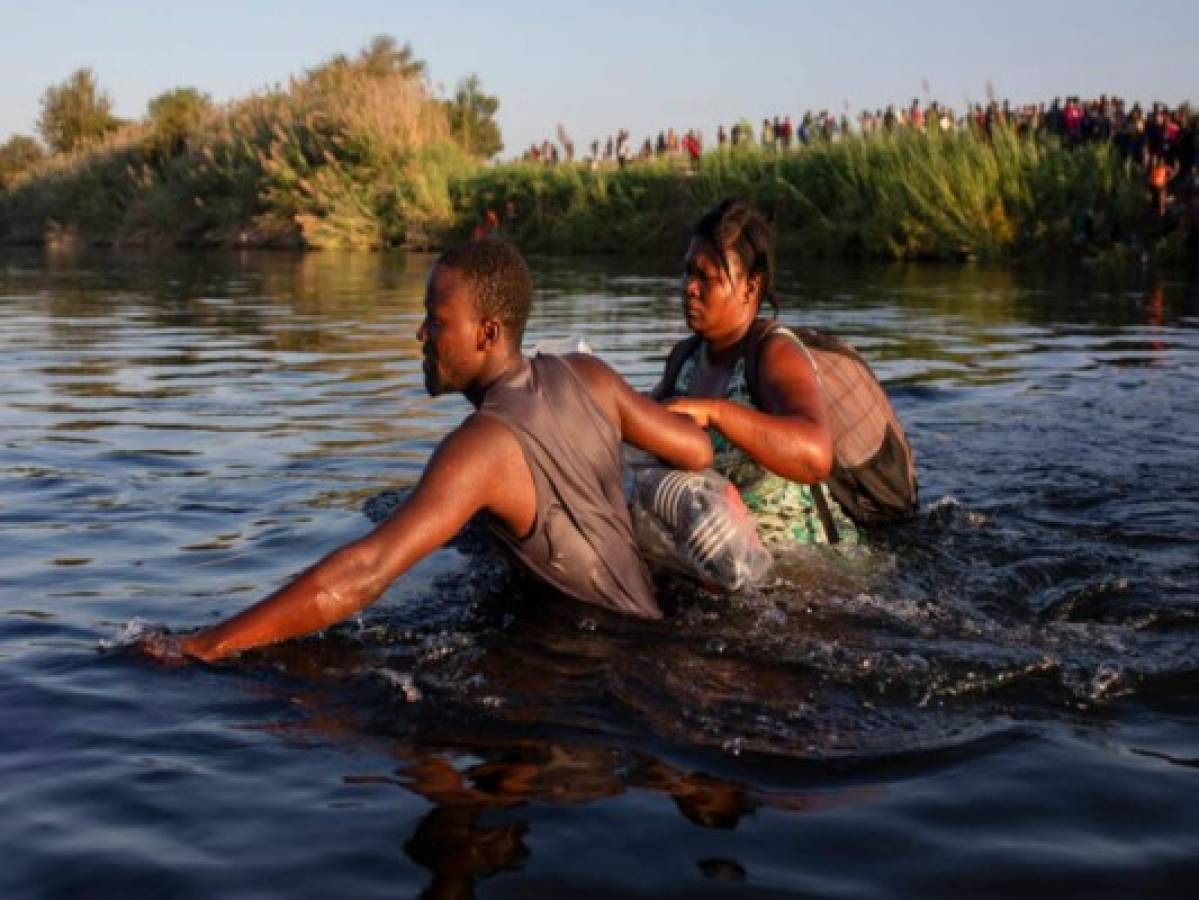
{"type": "Point", "coordinates": [601, 65]}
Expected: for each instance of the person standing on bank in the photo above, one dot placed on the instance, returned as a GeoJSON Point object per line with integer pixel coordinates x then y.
{"type": "Point", "coordinates": [776, 448]}
{"type": "Point", "coordinates": [541, 456]}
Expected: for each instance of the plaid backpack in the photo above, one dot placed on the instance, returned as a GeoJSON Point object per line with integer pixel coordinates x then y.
{"type": "Point", "coordinates": [874, 469]}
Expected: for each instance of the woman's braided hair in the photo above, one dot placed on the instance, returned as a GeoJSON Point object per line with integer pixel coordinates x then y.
{"type": "Point", "coordinates": [734, 228]}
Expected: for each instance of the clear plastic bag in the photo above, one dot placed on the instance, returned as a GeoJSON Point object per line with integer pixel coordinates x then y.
{"type": "Point", "coordinates": [695, 524]}
{"type": "Point", "coordinates": [561, 346]}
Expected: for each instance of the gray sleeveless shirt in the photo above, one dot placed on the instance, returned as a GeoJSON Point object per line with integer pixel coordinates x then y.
{"type": "Point", "coordinates": [582, 540]}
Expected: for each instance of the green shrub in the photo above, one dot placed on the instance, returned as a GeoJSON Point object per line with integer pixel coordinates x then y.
{"type": "Point", "coordinates": [17, 155]}
{"type": "Point", "coordinates": [356, 153]}
{"type": "Point", "coordinates": [173, 117]}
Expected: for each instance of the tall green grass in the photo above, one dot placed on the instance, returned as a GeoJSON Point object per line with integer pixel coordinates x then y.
{"type": "Point", "coordinates": [901, 195]}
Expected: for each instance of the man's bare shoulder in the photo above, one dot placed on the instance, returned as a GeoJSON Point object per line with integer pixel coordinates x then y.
{"type": "Point", "coordinates": [481, 463]}
{"type": "Point", "coordinates": [478, 436]}
{"type": "Point", "coordinates": [606, 387]}
{"type": "Point", "coordinates": [589, 367]}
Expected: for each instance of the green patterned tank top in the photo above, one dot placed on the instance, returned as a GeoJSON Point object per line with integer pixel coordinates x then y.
{"type": "Point", "coordinates": [785, 511]}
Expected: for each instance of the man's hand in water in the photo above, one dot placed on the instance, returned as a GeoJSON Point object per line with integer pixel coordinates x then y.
{"type": "Point", "coordinates": [162, 647]}
{"type": "Point", "coordinates": [699, 409]}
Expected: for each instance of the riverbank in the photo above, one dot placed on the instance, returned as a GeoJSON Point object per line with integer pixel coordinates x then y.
{"type": "Point", "coordinates": [318, 168]}
{"type": "Point", "coordinates": [894, 196]}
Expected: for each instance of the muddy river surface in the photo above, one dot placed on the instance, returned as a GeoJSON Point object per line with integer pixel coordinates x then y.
{"type": "Point", "coordinates": [997, 700]}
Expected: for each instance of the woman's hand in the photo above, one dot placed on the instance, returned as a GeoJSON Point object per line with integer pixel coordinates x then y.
{"type": "Point", "coordinates": [700, 410]}
{"type": "Point", "coordinates": [789, 434]}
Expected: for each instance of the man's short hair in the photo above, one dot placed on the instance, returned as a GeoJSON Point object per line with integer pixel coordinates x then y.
{"type": "Point", "coordinates": [499, 278]}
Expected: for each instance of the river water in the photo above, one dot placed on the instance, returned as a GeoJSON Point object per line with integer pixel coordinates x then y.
{"type": "Point", "coordinates": [997, 700]}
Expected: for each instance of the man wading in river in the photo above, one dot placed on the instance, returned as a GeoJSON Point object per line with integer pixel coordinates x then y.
{"type": "Point", "coordinates": [541, 456]}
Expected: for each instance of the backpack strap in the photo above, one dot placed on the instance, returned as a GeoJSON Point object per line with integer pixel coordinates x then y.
{"type": "Point", "coordinates": [825, 514]}
{"type": "Point", "coordinates": [679, 354]}
{"type": "Point", "coordinates": [759, 331]}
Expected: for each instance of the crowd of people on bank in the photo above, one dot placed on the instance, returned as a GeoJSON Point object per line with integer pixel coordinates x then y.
{"type": "Point", "coordinates": [1162, 140]}
{"type": "Point", "coordinates": [1141, 133]}
{"type": "Point", "coordinates": [617, 148]}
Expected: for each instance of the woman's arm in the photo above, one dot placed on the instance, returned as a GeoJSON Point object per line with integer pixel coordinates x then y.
{"type": "Point", "coordinates": [790, 436]}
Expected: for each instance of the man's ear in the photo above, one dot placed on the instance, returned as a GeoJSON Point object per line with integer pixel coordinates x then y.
{"type": "Point", "coordinates": [489, 332]}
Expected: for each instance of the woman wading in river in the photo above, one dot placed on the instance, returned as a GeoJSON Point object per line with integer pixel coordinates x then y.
{"type": "Point", "coordinates": [776, 448]}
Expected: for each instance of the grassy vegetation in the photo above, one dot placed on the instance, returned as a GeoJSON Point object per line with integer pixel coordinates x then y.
{"type": "Point", "coordinates": [889, 196]}
{"type": "Point", "coordinates": [354, 154]}
{"type": "Point", "coordinates": [358, 153]}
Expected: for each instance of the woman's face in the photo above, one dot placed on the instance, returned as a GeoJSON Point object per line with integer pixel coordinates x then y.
{"type": "Point", "coordinates": [715, 304]}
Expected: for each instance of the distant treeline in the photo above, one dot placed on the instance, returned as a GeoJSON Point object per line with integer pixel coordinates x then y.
{"type": "Point", "coordinates": [358, 152]}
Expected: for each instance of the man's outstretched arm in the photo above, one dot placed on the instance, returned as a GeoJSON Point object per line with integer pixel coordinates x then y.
{"type": "Point", "coordinates": [459, 481]}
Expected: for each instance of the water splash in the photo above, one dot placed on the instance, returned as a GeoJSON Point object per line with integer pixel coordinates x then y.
{"type": "Point", "coordinates": [131, 632]}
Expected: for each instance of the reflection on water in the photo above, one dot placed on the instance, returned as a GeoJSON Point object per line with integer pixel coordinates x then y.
{"type": "Point", "coordinates": [455, 844]}
{"type": "Point", "coordinates": [180, 433]}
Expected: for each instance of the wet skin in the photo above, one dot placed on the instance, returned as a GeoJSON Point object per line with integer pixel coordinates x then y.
{"type": "Point", "coordinates": [790, 435]}
{"type": "Point", "coordinates": [479, 467]}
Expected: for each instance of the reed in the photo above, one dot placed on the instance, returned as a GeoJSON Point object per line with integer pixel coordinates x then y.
{"type": "Point", "coordinates": [885, 196]}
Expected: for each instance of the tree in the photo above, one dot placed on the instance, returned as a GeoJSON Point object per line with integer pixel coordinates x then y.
{"type": "Point", "coordinates": [19, 153]}
{"type": "Point", "coordinates": [379, 59]}
{"type": "Point", "coordinates": [471, 115]}
{"type": "Point", "coordinates": [75, 112]}
{"type": "Point", "coordinates": [173, 116]}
